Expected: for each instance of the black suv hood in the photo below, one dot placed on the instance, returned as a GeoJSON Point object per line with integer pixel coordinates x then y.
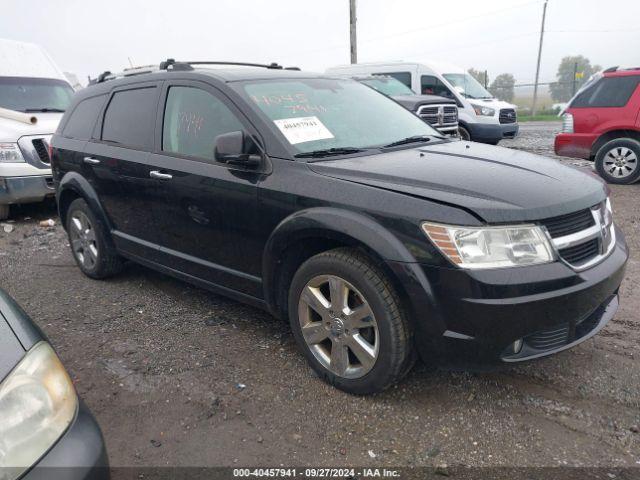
{"type": "Point", "coordinates": [412, 102]}
{"type": "Point", "coordinates": [498, 184]}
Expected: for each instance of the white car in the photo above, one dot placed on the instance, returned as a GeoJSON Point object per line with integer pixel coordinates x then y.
{"type": "Point", "coordinates": [34, 94]}
{"type": "Point", "coordinates": [481, 116]}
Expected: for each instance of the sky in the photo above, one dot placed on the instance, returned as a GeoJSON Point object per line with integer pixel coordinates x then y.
{"type": "Point", "coordinates": [87, 37]}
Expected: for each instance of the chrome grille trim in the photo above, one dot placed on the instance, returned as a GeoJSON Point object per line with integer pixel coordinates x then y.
{"type": "Point", "coordinates": [603, 232]}
{"type": "Point", "coordinates": [439, 115]}
{"type": "Point", "coordinates": [29, 151]}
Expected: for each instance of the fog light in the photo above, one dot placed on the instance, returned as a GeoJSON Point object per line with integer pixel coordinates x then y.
{"type": "Point", "coordinates": [517, 346]}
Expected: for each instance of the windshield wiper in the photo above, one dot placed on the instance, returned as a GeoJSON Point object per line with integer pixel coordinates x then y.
{"type": "Point", "coordinates": [43, 110]}
{"type": "Point", "coordinates": [413, 139]}
{"type": "Point", "coordinates": [327, 152]}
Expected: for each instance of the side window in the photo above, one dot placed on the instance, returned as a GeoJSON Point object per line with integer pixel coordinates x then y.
{"type": "Point", "coordinates": [130, 118]}
{"type": "Point", "coordinates": [608, 92]}
{"type": "Point", "coordinates": [404, 77]}
{"type": "Point", "coordinates": [193, 118]}
{"type": "Point", "coordinates": [430, 85]}
{"type": "Point", "coordinates": [83, 118]}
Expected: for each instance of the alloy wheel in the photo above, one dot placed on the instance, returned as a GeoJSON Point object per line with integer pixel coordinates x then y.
{"type": "Point", "coordinates": [338, 326]}
{"type": "Point", "coordinates": [83, 240]}
{"type": "Point", "coordinates": [620, 162]}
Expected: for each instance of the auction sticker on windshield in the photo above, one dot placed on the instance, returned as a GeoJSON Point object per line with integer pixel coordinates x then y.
{"type": "Point", "coordinates": [303, 129]}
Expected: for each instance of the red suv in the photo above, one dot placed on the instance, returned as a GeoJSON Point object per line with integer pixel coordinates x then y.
{"type": "Point", "coordinates": [602, 123]}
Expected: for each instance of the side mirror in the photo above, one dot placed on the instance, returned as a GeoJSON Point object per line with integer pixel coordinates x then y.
{"type": "Point", "coordinates": [234, 148]}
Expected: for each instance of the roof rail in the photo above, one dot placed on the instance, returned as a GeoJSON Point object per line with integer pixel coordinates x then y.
{"type": "Point", "coordinates": [611, 69]}
{"type": "Point", "coordinates": [172, 64]}
{"type": "Point", "coordinates": [127, 72]}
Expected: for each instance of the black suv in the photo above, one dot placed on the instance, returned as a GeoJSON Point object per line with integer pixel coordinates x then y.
{"type": "Point", "coordinates": [331, 205]}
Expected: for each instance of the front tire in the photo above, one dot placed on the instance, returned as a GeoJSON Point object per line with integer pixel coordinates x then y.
{"type": "Point", "coordinates": [90, 247]}
{"type": "Point", "coordinates": [618, 161]}
{"type": "Point", "coordinates": [348, 320]}
{"type": "Point", "coordinates": [464, 134]}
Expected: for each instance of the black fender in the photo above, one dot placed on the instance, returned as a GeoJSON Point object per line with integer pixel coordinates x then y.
{"type": "Point", "coordinates": [353, 227]}
{"type": "Point", "coordinates": [73, 181]}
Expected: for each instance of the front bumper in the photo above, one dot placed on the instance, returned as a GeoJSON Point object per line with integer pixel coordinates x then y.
{"type": "Point", "coordinates": [492, 132]}
{"type": "Point", "coordinates": [451, 130]}
{"type": "Point", "coordinates": [78, 455]}
{"type": "Point", "coordinates": [486, 311]}
{"type": "Point", "coordinates": [29, 189]}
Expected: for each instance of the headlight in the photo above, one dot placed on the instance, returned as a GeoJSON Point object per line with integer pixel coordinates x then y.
{"type": "Point", "coordinates": [37, 404]}
{"type": "Point", "coordinates": [10, 153]}
{"type": "Point", "coordinates": [484, 111]}
{"type": "Point", "coordinates": [491, 247]}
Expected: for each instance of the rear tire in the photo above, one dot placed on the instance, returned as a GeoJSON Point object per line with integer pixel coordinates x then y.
{"type": "Point", "coordinates": [90, 245]}
{"type": "Point", "coordinates": [618, 161]}
{"type": "Point", "coordinates": [4, 212]}
{"type": "Point", "coordinates": [356, 335]}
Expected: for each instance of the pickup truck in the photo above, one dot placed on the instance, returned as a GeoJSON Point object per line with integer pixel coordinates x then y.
{"type": "Point", "coordinates": [34, 93]}
{"type": "Point", "coordinates": [439, 112]}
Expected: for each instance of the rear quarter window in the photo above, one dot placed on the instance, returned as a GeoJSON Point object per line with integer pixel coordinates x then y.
{"type": "Point", "coordinates": [403, 77]}
{"type": "Point", "coordinates": [83, 118]}
{"type": "Point", "coordinates": [130, 118]}
{"type": "Point", "coordinates": [608, 92]}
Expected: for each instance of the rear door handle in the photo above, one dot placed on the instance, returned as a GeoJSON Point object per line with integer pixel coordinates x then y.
{"type": "Point", "coordinates": [91, 160]}
{"type": "Point", "coordinates": [159, 175]}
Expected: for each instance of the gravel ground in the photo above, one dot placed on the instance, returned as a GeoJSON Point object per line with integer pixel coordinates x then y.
{"type": "Point", "coordinates": [178, 376]}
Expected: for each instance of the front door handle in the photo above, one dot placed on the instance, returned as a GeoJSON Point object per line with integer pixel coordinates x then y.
{"type": "Point", "coordinates": [159, 175]}
{"type": "Point", "coordinates": [91, 160]}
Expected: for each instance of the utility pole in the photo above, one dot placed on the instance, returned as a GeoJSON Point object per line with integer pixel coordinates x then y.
{"type": "Point", "coordinates": [352, 31]}
{"type": "Point", "coordinates": [535, 86]}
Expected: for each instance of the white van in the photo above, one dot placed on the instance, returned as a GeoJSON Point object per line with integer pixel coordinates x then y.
{"type": "Point", "coordinates": [482, 117]}
{"type": "Point", "coordinates": [34, 94]}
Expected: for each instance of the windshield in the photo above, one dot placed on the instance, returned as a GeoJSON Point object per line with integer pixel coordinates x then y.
{"type": "Point", "coordinates": [34, 94]}
{"type": "Point", "coordinates": [318, 113]}
{"type": "Point", "coordinates": [388, 85]}
{"type": "Point", "coordinates": [467, 85]}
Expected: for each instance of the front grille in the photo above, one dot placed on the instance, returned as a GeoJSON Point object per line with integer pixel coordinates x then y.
{"type": "Point", "coordinates": [581, 253]}
{"type": "Point", "coordinates": [41, 150]}
{"type": "Point", "coordinates": [550, 338]}
{"type": "Point", "coordinates": [582, 237]}
{"type": "Point", "coordinates": [439, 115]}
{"type": "Point", "coordinates": [508, 115]}
{"type": "Point", "coordinates": [450, 114]}
{"type": "Point", "coordinates": [568, 224]}
{"type": "Point", "coordinates": [429, 114]}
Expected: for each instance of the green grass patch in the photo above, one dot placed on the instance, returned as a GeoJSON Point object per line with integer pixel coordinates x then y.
{"type": "Point", "coordinates": [539, 118]}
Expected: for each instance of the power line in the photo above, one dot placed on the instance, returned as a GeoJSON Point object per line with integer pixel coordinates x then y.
{"type": "Point", "coordinates": [453, 22]}
{"type": "Point", "coordinates": [475, 44]}
{"type": "Point", "coordinates": [421, 29]}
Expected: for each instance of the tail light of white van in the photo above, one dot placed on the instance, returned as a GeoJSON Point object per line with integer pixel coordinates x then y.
{"type": "Point", "coordinates": [567, 123]}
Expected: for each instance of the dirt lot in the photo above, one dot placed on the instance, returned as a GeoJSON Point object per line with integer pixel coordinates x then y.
{"type": "Point", "coordinates": [179, 376]}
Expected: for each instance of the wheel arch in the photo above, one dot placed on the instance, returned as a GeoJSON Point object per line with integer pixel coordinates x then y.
{"type": "Point", "coordinates": [73, 186]}
{"type": "Point", "coordinates": [612, 135]}
{"type": "Point", "coordinates": [309, 232]}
